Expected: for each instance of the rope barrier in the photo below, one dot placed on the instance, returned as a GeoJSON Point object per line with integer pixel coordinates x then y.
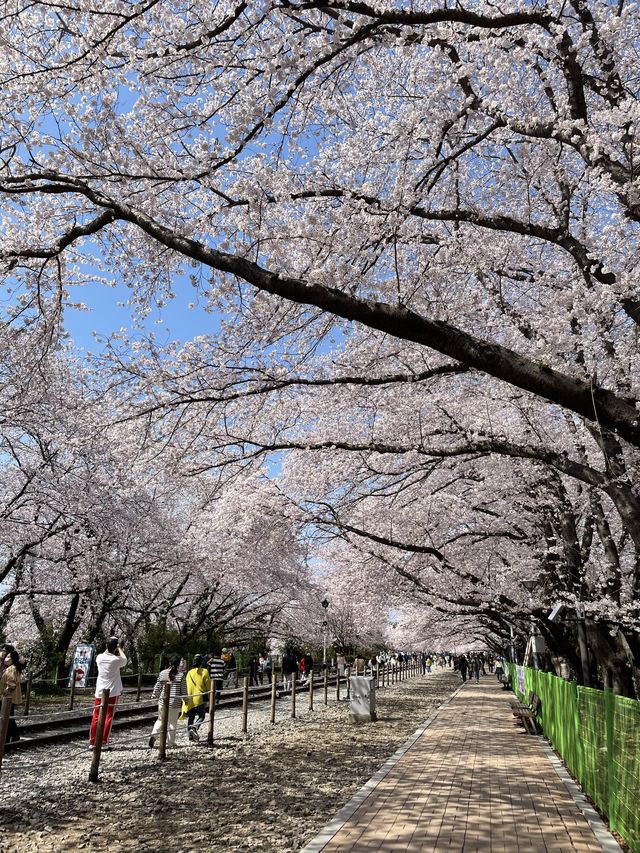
{"type": "Point", "coordinates": [80, 709]}
{"type": "Point", "coordinates": [66, 679]}
{"type": "Point", "coordinates": [90, 707]}
{"type": "Point", "coordinates": [224, 714]}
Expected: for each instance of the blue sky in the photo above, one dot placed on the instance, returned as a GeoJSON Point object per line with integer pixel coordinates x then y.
{"type": "Point", "coordinates": [106, 315]}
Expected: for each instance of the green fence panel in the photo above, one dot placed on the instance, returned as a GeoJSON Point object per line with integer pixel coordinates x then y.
{"type": "Point", "coordinates": [597, 735]}
{"type": "Point", "coordinates": [626, 770]}
{"type": "Point", "coordinates": [592, 718]}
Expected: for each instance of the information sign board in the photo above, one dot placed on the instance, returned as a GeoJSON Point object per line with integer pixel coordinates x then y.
{"type": "Point", "coordinates": [81, 663]}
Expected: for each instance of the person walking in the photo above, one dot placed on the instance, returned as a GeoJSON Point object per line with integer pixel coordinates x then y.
{"type": "Point", "coordinates": [198, 687]}
{"type": "Point", "coordinates": [177, 693]}
{"type": "Point", "coordinates": [308, 665]}
{"type": "Point", "coordinates": [289, 666]}
{"type": "Point", "coordinates": [110, 664]}
{"type": "Point", "coordinates": [474, 668]}
{"type": "Point", "coordinates": [463, 666]}
{"type": "Point", "coordinates": [10, 688]}
{"type": "Point", "coordinates": [255, 670]}
{"type": "Point", "coordinates": [267, 666]}
{"type": "Point", "coordinates": [231, 669]}
{"type": "Point", "coordinates": [216, 672]}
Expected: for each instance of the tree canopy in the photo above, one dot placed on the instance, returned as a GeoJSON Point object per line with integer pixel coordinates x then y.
{"type": "Point", "coordinates": [418, 225]}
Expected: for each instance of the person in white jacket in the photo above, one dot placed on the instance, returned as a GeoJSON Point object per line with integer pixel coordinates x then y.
{"type": "Point", "coordinates": [175, 676]}
{"type": "Point", "coordinates": [110, 664]}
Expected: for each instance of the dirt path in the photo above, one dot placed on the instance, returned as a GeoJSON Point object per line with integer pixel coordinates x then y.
{"type": "Point", "coordinates": [269, 793]}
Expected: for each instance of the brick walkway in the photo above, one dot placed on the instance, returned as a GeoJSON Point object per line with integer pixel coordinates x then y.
{"type": "Point", "coordinates": [472, 782]}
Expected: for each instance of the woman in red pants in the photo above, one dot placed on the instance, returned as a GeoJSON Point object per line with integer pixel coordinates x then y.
{"type": "Point", "coordinates": [110, 662]}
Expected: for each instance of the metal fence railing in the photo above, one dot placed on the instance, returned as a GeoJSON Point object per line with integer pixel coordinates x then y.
{"type": "Point", "coordinates": [597, 734]}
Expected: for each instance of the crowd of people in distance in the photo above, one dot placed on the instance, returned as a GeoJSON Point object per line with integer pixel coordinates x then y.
{"type": "Point", "coordinates": [474, 665]}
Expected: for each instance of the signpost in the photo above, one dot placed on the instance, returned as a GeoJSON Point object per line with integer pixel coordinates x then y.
{"type": "Point", "coordinates": [81, 665]}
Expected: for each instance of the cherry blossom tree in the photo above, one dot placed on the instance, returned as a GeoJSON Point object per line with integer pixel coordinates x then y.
{"type": "Point", "coordinates": [366, 161]}
{"type": "Point", "coordinates": [100, 535]}
{"type": "Point", "coordinates": [448, 195]}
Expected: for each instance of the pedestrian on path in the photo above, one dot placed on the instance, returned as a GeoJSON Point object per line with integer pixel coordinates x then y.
{"type": "Point", "coordinates": [308, 664]}
{"type": "Point", "coordinates": [177, 692]}
{"type": "Point", "coordinates": [110, 664]}
{"type": "Point", "coordinates": [289, 666]}
{"type": "Point", "coordinates": [474, 668]}
{"type": "Point", "coordinates": [198, 686]}
{"type": "Point", "coordinates": [255, 671]}
{"type": "Point", "coordinates": [10, 689]}
{"type": "Point", "coordinates": [267, 666]}
{"type": "Point", "coordinates": [463, 666]}
{"type": "Point", "coordinates": [216, 672]}
{"type": "Point", "coordinates": [231, 668]}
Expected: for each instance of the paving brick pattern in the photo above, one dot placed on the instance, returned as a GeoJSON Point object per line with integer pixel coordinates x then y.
{"type": "Point", "coordinates": [473, 782]}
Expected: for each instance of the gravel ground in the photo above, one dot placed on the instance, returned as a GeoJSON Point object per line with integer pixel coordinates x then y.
{"type": "Point", "coordinates": [269, 792]}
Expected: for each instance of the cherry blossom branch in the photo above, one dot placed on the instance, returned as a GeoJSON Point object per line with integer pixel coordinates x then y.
{"type": "Point", "coordinates": [584, 398]}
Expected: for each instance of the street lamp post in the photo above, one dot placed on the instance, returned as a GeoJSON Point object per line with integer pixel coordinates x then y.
{"type": "Point", "coordinates": [325, 605]}
{"type": "Point", "coordinates": [582, 643]}
{"type": "Point", "coordinates": [530, 585]}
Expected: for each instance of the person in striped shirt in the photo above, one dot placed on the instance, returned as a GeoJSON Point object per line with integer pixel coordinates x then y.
{"type": "Point", "coordinates": [174, 676]}
{"type": "Point", "coordinates": [216, 672]}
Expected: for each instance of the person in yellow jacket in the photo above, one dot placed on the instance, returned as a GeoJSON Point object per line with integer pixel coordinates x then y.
{"type": "Point", "coordinates": [198, 686]}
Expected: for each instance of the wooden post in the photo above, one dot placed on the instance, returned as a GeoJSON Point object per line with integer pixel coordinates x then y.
{"type": "Point", "coordinates": [326, 685]}
{"type": "Point", "coordinates": [337, 685]}
{"type": "Point", "coordinates": [139, 686]}
{"type": "Point", "coordinates": [97, 746]}
{"type": "Point", "coordinates": [274, 687]}
{"type": "Point", "coordinates": [164, 721]}
{"type": "Point", "coordinates": [245, 703]}
{"type": "Point", "coordinates": [73, 689]}
{"type": "Point", "coordinates": [5, 713]}
{"type": "Point", "coordinates": [27, 697]}
{"type": "Point", "coordinates": [348, 673]}
{"type": "Point", "coordinates": [212, 712]}
{"type": "Point", "coordinates": [294, 678]}
{"type": "Point", "coordinates": [311, 690]}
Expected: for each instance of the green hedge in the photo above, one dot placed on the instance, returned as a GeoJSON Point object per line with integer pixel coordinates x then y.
{"type": "Point", "coordinates": [597, 735]}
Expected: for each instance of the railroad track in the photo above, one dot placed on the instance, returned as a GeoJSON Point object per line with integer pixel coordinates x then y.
{"type": "Point", "coordinates": [73, 725]}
